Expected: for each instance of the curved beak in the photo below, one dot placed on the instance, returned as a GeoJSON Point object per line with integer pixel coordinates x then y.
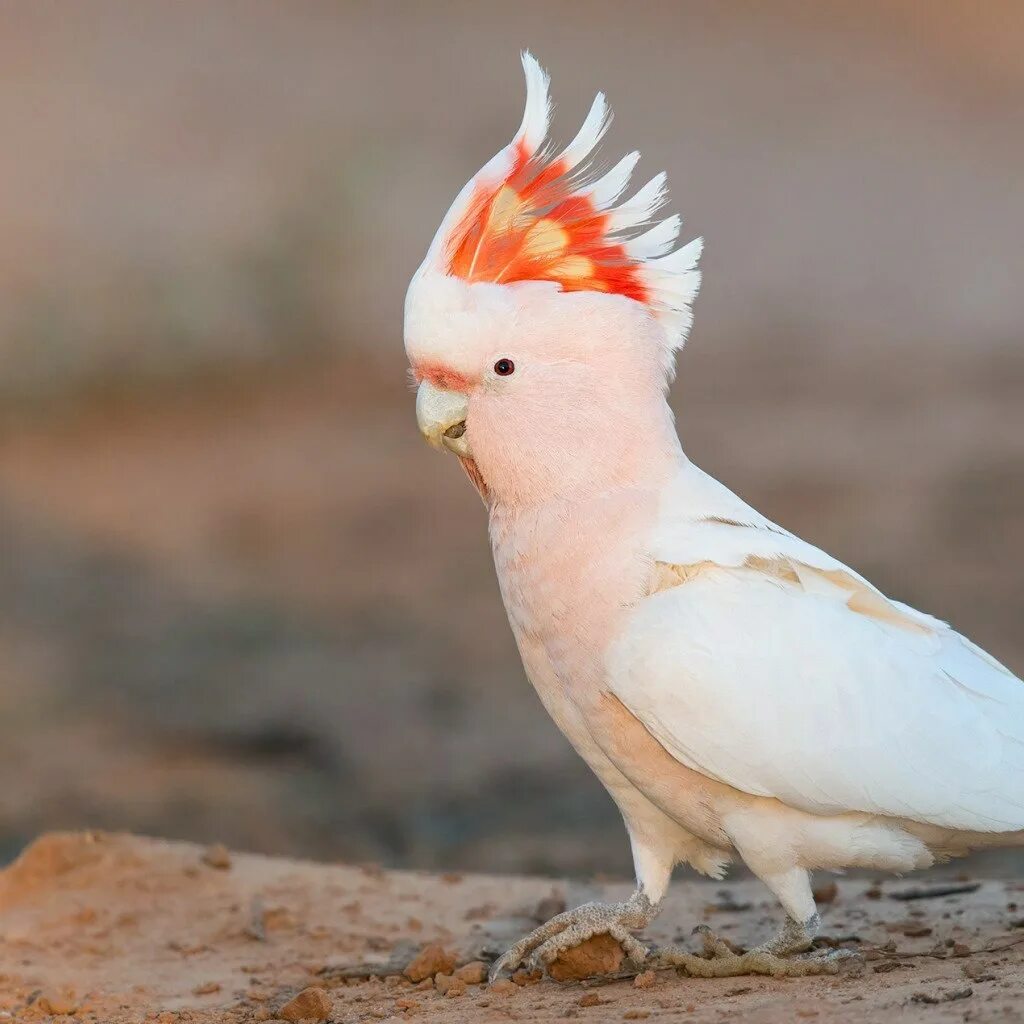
{"type": "Point", "coordinates": [441, 416]}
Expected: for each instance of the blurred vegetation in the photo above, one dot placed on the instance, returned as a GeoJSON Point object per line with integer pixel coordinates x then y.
{"type": "Point", "coordinates": [269, 299]}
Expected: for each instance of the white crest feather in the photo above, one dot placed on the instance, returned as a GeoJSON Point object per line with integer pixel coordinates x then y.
{"type": "Point", "coordinates": [537, 113]}
{"type": "Point", "coordinates": [633, 236]}
{"type": "Point", "coordinates": [610, 186]}
{"type": "Point", "coordinates": [590, 134]}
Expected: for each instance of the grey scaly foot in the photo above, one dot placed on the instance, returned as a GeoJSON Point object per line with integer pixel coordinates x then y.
{"type": "Point", "coordinates": [563, 932]}
{"type": "Point", "coordinates": [775, 958]}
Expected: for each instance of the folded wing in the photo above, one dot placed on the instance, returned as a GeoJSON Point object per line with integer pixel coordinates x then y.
{"type": "Point", "coordinates": [762, 662]}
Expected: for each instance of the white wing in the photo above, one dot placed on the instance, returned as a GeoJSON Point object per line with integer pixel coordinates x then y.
{"type": "Point", "coordinates": [770, 666]}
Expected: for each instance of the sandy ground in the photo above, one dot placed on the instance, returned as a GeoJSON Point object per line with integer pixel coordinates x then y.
{"type": "Point", "coordinates": [118, 929]}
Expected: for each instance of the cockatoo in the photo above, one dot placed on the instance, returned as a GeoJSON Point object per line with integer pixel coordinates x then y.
{"type": "Point", "coordinates": [739, 692]}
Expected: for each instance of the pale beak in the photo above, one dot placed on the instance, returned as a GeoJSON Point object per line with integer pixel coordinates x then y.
{"type": "Point", "coordinates": [441, 416]}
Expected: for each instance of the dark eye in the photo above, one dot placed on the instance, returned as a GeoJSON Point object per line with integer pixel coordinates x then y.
{"type": "Point", "coordinates": [504, 367]}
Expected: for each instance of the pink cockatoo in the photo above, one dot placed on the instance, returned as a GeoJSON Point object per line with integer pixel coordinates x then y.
{"type": "Point", "coordinates": [740, 693]}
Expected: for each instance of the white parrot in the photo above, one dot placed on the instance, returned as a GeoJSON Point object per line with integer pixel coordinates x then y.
{"type": "Point", "coordinates": [740, 693]}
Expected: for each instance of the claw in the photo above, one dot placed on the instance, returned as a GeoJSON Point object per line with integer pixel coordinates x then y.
{"type": "Point", "coordinates": [714, 947]}
{"type": "Point", "coordinates": [517, 952]}
{"type": "Point", "coordinates": [499, 965]}
{"type": "Point", "coordinates": [508, 961]}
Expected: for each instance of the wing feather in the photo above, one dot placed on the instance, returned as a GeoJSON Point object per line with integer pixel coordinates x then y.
{"type": "Point", "coordinates": [765, 663]}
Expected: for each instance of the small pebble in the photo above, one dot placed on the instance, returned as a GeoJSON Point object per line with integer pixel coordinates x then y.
{"type": "Point", "coordinates": [917, 931]}
{"type": "Point", "coordinates": [646, 979]}
{"type": "Point", "coordinates": [523, 977]}
{"type": "Point", "coordinates": [599, 955]}
{"type": "Point", "coordinates": [217, 856]}
{"type": "Point", "coordinates": [473, 973]}
{"type": "Point", "coordinates": [311, 1003]}
{"type": "Point", "coordinates": [430, 960]}
{"type": "Point", "coordinates": [826, 893]}
{"type": "Point", "coordinates": [455, 988]}
{"type": "Point", "coordinates": [886, 966]}
{"type": "Point", "coordinates": [56, 1005]}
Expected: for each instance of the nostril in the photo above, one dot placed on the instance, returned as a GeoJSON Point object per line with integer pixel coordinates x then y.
{"type": "Point", "coordinates": [456, 430]}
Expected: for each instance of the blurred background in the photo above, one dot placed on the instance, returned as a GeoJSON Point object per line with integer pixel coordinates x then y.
{"type": "Point", "coordinates": [239, 599]}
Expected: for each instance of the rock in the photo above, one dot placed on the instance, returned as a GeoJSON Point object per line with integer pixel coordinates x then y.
{"type": "Point", "coordinates": [503, 987]}
{"type": "Point", "coordinates": [442, 981]}
{"type": "Point", "coordinates": [917, 931]}
{"type": "Point", "coordinates": [217, 856]}
{"type": "Point", "coordinates": [886, 966]}
{"type": "Point", "coordinates": [473, 973]}
{"type": "Point", "coordinates": [590, 999]}
{"type": "Point", "coordinates": [456, 987]}
{"type": "Point", "coordinates": [311, 1003]}
{"type": "Point", "coordinates": [942, 997]}
{"type": "Point", "coordinates": [645, 980]}
{"type": "Point", "coordinates": [206, 989]}
{"type": "Point", "coordinates": [430, 960]}
{"type": "Point", "coordinates": [600, 954]}
{"type": "Point", "coordinates": [56, 1004]}
{"type": "Point", "coordinates": [523, 977]}
{"type": "Point", "coordinates": [826, 893]}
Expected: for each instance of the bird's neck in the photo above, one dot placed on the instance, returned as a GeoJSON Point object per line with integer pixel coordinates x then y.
{"type": "Point", "coordinates": [582, 468]}
{"type": "Point", "coordinates": [571, 566]}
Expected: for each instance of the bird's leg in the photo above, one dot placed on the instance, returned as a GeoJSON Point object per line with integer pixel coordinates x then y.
{"type": "Point", "coordinates": [776, 957]}
{"type": "Point", "coordinates": [564, 931]}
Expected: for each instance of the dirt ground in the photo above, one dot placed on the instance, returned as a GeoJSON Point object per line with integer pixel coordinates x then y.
{"type": "Point", "coordinates": [118, 929]}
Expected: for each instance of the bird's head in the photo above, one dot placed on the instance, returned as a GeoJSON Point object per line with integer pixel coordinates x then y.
{"type": "Point", "coordinates": [543, 324]}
